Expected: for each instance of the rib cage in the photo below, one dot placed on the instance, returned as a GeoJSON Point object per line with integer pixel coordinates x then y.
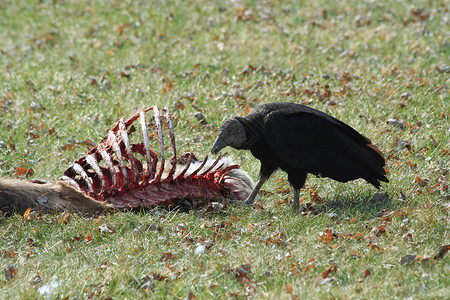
{"type": "Point", "coordinates": [130, 175]}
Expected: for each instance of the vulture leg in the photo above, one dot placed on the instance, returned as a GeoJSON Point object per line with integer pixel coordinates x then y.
{"type": "Point", "coordinates": [296, 199]}
{"type": "Point", "coordinates": [264, 174]}
{"type": "Point", "coordinates": [251, 198]}
{"type": "Point", "coordinates": [297, 180]}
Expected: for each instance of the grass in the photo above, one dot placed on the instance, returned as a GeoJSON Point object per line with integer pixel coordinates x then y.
{"type": "Point", "coordinates": [71, 69]}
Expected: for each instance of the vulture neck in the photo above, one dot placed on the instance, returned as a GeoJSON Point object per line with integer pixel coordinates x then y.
{"type": "Point", "coordinates": [253, 129]}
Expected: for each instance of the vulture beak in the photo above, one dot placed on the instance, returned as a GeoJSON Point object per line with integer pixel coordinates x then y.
{"type": "Point", "coordinates": [218, 145]}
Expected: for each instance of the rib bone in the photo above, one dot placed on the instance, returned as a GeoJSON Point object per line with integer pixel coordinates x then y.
{"type": "Point", "coordinates": [114, 172]}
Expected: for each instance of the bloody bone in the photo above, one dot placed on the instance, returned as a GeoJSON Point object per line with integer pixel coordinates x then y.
{"type": "Point", "coordinates": [125, 181]}
{"type": "Point", "coordinates": [120, 174]}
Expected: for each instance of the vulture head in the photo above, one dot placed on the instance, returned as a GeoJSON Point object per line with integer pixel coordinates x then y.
{"type": "Point", "coordinates": [232, 133]}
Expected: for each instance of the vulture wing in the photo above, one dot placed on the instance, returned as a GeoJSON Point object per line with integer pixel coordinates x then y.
{"type": "Point", "coordinates": [308, 140]}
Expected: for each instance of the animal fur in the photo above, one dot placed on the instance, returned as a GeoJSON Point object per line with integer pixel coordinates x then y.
{"type": "Point", "coordinates": [18, 196]}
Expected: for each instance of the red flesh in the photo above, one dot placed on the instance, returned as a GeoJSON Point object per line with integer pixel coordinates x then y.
{"type": "Point", "coordinates": [125, 181]}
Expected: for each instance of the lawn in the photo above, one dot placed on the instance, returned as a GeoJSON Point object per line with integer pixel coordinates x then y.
{"type": "Point", "coordinates": [70, 69]}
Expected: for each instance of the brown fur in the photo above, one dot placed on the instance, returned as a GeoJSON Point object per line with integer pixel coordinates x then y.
{"type": "Point", "coordinates": [18, 196]}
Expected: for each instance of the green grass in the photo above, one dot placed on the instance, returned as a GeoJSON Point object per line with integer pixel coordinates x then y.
{"type": "Point", "coordinates": [62, 81]}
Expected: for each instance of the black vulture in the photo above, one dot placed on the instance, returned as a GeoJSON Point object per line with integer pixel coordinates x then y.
{"type": "Point", "coordinates": [299, 140]}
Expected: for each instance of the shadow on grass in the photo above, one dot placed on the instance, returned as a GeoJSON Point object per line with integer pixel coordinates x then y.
{"type": "Point", "coordinates": [366, 205]}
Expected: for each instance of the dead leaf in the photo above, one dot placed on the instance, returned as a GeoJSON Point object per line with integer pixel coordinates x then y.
{"type": "Point", "coordinates": [88, 237]}
{"type": "Point", "coordinates": [410, 258]}
{"type": "Point", "coordinates": [328, 235]}
{"type": "Point", "coordinates": [289, 288]}
{"type": "Point", "coordinates": [26, 214]}
{"type": "Point", "coordinates": [11, 145]}
{"type": "Point", "coordinates": [327, 273]}
{"type": "Point", "coordinates": [104, 229]}
{"type": "Point", "coordinates": [200, 118]}
{"type": "Point", "coordinates": [259, 205]}
{"type": "Point", "coordinates": [408, 238]}
{"type": "Point", "coordinates": [168, 256]}
{"type": "Point", "coordinates": [378, 230]}
{"type": "Point", "coordinates": [190, 296]}
{"type": "Point", "coordinates": [441, 252]}
{"type": "Point", "coordinates": [307, 209]}
{"type": "Point", "coordinates": [242, 273]}
{"type": "Point", "coordinates": [375, 247]}
{"type": "Point", "coordinates": [64, 217]}
{"type": "Point", "coordinates": [10, 272]}
{"type": "Point", "coordinates": [421, 182]}
{"type": "Point", "coordinates": [67, 147]}
{"type": "Point", "coordinates": [367, 273]}
{"type": "Point", "coordinates": [295, 269]}
{"type": "Point", "coordinates": [401, 144]}
{"type": "Point", "coordinates": [315, 198]}
{"type": "Point", "coordinates": [247, 109]}
{"type": "Point", "coordinates": [403, 224]}
{"type": "Point", "coordinates": [234, 218]}
{"type": "Point", "coordinates": [87, 142]}
{"type": "Point", "coordinates": [8, 254]}
{"type": "Point", "coordinates": [20, 171]}
{"type": "Point", "coordinates": [51, 131]}
{"type": "Point", "coordinates": [126, 75]}
{"type": "Point", "coordinates": [395, 123]}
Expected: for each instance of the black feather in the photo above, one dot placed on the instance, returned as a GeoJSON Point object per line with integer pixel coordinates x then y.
{"type": "Point", "coordinates": [301, 140]}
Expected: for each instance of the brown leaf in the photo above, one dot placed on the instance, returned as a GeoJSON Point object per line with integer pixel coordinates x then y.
{"type": "Point", "coordinates": [444, 152]}
{"type": "Point", "coordinates": [442, 251]}
{"type": "Point", "coordinates": [51, 131]}
{"type": "Point", "coordinates": [307, 209]}
{"type": "Point", "coordinates": [87, 142]}
{"type": "Point", "coordinates": [328, 235]}
{"type": "Point", "coordinates": [168, 256]}
{"type": "Point", "coordinates": [234, 218]}
{"type": "Point", "coordinates": [88, 237]}
{"type": "Point", "coordinates": [67, 147]}
{"type": "Point", "coordinates": [410, 258]}
{"type": "Point", "coordinates": [359, 235]}
{"type": "Point", "coordinates": [315, 198]}
{"type": "Point", "coordinates": [367, 273]}
{"type": "Point", "coordinates": [64, 217]}
{"type": "Point", "coordinates": [259, 205]}
{"type": "Point", "coordinates": [119, 28]}
{"type": "Point", "coordinates": [20, 171]}
{"type": "Point", "coordinates": [190, 296]}
{"type": "Point", "coordinates": [421, 182]}
{"type": "Point", "coordinates": [9, 254]}
{"type": "Point", "coordinates": [242, 273]}
{"type": "Point", "coordinates": [126, 75]}
{"type": "Point", "coordinates": [10, 272]}
{"type": "Point", "coordinates": [92, 80]}
{"type": "Point", "coordinates": [375, 247]}
{"type": "Point", "coordinates": [26, 214]}
{"type": "Point", "coordinates": [378, 230]}
{"type": "Point", "coordinates": [327, 273]}
{"type": "Point", "coordinates": [295, 269]}
{"type": "Point", "coordinates": [11, 145]}
{"type": "Point", "coordinates": [104, 229]}
{"type": "Point", "coordinates": [289, 288]}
